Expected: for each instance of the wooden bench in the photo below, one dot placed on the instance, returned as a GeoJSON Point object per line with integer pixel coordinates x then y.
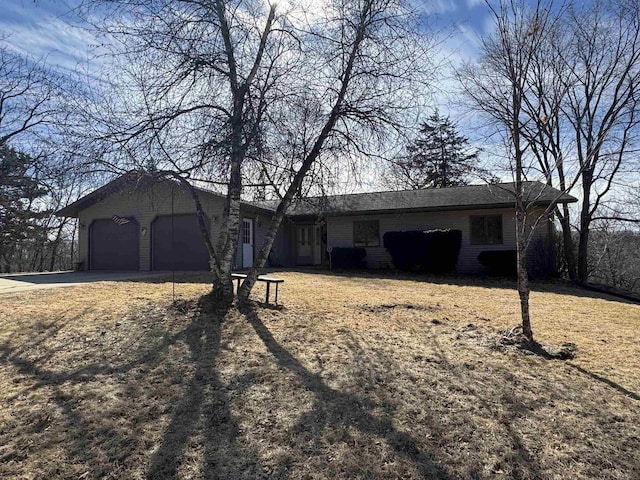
{"type": "Point", "coordinates": [261, 278]}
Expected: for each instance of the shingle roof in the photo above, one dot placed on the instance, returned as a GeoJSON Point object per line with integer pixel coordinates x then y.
{"type": "Point", "coordinates": [134, 180]}
{"type": "Point", "coordinates": [451, 198]}
{"type": "Point", "coordinates": [131, 179]}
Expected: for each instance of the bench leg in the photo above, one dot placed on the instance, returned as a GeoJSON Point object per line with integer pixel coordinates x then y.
{"type": "Point", "coordinates": [268, 284]}
{"type": "Point", "coordinates": [238, 287]}
{"type": "Point", "coordinates": [277, 293]}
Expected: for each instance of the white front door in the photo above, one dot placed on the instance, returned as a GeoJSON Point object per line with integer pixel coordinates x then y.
{"type": "Point", "coordinates": [247, 242]}
{"type": "Point", "coordinates": [305, 244]}
{"type": "Point", "coordinates": [317, 245]}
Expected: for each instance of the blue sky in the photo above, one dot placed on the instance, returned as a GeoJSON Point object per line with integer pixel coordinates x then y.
{"type": "Point", "coordinates": [46, 30]}
{"type": "Point", "coordinates": [49, 29]}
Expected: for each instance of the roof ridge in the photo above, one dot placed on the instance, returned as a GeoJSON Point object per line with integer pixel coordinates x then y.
{"type": "Point", "coordinates": [421, 189]}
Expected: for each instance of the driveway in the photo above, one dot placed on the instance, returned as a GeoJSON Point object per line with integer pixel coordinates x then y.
{"type": "Point", "coordinates": [20, 282]}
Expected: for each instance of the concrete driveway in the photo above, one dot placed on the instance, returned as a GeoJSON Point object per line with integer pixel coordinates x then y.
{"type": "Point", "coordinates": [20, 282]}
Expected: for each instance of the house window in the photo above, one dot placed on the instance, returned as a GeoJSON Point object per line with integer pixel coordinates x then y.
{"type": "Point", "coordinates": [366, 233]}
{"type": "Point", "coordinates": [246, 231]}
{"type": "Point", "coordinates": [486, 229]}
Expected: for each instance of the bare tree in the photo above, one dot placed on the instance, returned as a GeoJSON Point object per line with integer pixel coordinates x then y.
{"type": "Point", "coordinates": [613, 253]}
{"type": "Point", "coordinates": [602, 105]}
{"type": "Point", "coordinates": [201, 75]}
{"type": "Point", "coordinates": [581, 104]}
{"type": "Point", "coordinates": [562, 80]}
{"type": "Point", "coordinates": [242, 94]}
{"type": "Point", "coordinates": [376, 61]}
{"type": "Point", "coordinates": [498, 87]}
{"type": "Point", "coordinates": [28, 96]}
{"type": "Point", "coordinates": [32, 116]}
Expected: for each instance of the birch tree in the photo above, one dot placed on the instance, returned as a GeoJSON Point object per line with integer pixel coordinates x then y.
{"type": "Point", "coordinates": [378, 60]}
{"type": "Point", "coordinates": [194, 81]}
{"type": "Point", "coordinates": [222, 91]}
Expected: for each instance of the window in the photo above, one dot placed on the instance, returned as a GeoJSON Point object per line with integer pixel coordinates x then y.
{"type": "Point", "coordinates": [366, 233]}
{"type": "Point", "coordinates": [486, 229]}
{"type": "Point", "coordinates": [246, 231]}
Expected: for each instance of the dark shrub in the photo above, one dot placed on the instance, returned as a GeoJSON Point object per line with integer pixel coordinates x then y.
{"type": "Point", "coordinates": [499, 262]}
{"type": "Point", "coordinates": [346, 257]}
{"type": "Point", "coordinates": [434, 251]}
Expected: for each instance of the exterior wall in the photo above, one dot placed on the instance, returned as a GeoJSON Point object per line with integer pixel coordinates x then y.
{"type": "Point", "coordinates": [295, 258]}
{"type": "Point", "coordinates": [340, 233]}
{"type": "Point", "coordinates": [145, 205]}
{"type": "Point", "coordinates": [148, 203]}
{"type": "Point", "coordinates": [283, 249]}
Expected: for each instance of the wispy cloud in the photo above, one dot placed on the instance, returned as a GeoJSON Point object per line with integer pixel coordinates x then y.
{"type": "Point", "coordinates": [47, 30]}
{"type": "Point", "coordinates": [474, 3]}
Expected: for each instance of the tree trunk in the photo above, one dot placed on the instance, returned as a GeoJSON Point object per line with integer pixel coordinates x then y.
{"type": "Point", "coordinates": [523, 277]}
{"type": "Point", "coordinates": [232, 230]}
{"type": "Point", "coordinates": [585, 224]}
{"type": "Point", "coordinates": [56, 245]}
{"type": "Point", "coordinates": [263, 254]}
{"type": "Point", "coordinates": [214, 262]}
{"type": "Point", "coordinates": [567, 243]}
{"type": "Point", "coordinates": [73, 244]}
{"type": "Point", "coordinates": [583, 260]}
{"type": "Point", "coordinates": [334, 115]}
{"type": "Point", "coordinates": [522, 237]}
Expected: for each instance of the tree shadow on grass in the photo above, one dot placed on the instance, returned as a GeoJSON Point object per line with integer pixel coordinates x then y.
{"type": "Point", "coordinates": [204, 410]}
{"type": "Point", "coordinates": [521, 462]}
{"type": "Point", "coordinates": [606, 381]}
{"type": "Point", "coordinates": [335, 408]}
{"type": "Point", "coordinates": [101, 415]}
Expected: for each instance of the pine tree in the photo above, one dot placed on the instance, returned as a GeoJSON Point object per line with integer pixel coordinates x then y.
{"type": "Point", "coordinates": [18, 216]}
{"type": "Point", "coordinates": [439, 157]}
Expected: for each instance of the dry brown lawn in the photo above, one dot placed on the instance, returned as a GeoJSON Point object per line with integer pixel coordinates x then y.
{"type": "Point", "coordinates": [365, 376]}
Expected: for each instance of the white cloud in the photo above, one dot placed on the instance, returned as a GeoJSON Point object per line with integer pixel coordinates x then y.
{"type": "Point", "coordinates": [474, 3]}
{"type": "Point", "coordinates": [44, 30]}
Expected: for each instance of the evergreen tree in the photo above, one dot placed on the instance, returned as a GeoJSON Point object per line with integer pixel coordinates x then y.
{"type": "Point", "coordinates": [439, 157]}
{"type": "Point", "coordinates": [18, 215]}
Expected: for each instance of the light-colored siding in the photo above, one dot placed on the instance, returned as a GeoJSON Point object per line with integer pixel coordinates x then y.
{"type": "Point", "coordinates": [340, 233]}
{"type": "Point", "coordinates": [145, 205]}
{"type": "Point", "coordinates": [148, 203]}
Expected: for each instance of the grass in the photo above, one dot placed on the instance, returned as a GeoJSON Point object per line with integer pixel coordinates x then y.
{"type": "Point", "coordinates": [356, 377]}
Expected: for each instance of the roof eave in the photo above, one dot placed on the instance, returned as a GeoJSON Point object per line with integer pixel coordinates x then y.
{"type": "Point", "coordinates": [67, 211]}
{"type": "Point", "coordinates": [445, 208]}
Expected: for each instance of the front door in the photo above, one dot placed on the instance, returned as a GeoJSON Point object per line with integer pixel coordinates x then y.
{"type": "Point", "coordinates": [317, 245]}
{"type": "Point", "coordinates": [305, 244]}
{"type": "Point", "coordinates": [247, 242]}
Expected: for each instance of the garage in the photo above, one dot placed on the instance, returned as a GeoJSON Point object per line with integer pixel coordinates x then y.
{"type": "Point", "coordinates": [114, 244]}
{"type": "Point", "coordinates": [176, 243]}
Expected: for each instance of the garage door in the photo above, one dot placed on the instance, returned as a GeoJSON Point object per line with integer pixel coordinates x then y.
{"type": "Point", "coordinates": [114, 244]}
{"type": "Point", "coordinates": [178, 245]}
